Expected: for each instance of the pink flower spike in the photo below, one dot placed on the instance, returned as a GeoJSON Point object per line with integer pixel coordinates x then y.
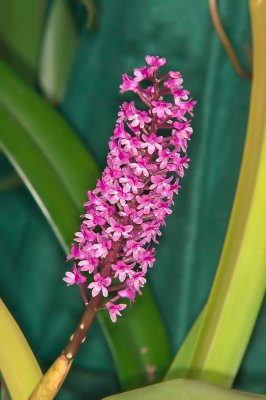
{"type": "Point", "coordinates": [114, 310]}
{"type": "Point", "coordinates": [100, 284]}
{"type": "Point", "coordinates": [125, 212]}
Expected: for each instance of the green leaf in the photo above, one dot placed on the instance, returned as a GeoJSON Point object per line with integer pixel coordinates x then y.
{"type": "Point", "coordinates": [57, 51]}
{"type": "Point", "coordinates": [32, 165]}
{"type": "Point", "coordinates": [179, 367]}
{"type": "Point", "coordinates": [141, 338]}
{"type": "Point", "coordinates": [18, 366]}
{"type": "Point", "coordinates": [21, 24]}
{"type": "Point", "coordinates": [181, 389]}
{"type": "Point", "coordinates": [46, 135]}
{"type": "Point", "coordinates": [58, 171]}
{"type": "Point", "coordinates": [217, 342]}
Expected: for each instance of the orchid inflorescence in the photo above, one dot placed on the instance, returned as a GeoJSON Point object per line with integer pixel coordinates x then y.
{"type": "Point", "coordinates": [131, 201]}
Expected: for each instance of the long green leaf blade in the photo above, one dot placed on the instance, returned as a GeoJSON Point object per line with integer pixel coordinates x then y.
{"type": "Point", "coordinates": [141, 338]}
{"type": "Point", "coordinates": [182, 389]}
{"type": "Point", "coordinates": [179, 367]}
{"type": "Point", "coordinates": [64, 151]}
{"type": "Point", "coordinates": [221, 338]}
{"type": "Point", "coordinates": [33, 167]}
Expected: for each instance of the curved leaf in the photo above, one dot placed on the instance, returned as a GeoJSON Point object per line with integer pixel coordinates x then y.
{"type": "Point", "coordinates": [44, 183]}
{"type": "Point", "coordinates": [182, 389]}
{"type": "Point", "coordinates": [51, 134]}
{"type": "Point", "coordinates": [18, 365]}
{"type": "Point", "coordinates": [218, 341]}
{"type": "Point", "coordinates": [139, 342]}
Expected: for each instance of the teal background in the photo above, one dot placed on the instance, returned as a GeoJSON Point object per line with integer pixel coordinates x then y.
{"type": "Point", "coordinates": [32, 262]}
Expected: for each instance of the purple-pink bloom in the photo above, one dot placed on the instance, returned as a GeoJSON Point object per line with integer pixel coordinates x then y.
{"type": "Point", "coordinates": [141, 73]}
{"type": "Point", "coordinates": [100, 284]}
{"type": "Point", "coordinates": [122, 270]}
{"type": "Point", "coordinates": [129, 293]}
{"type": "Point", "coordinates": [128, 84]}
{"type": "Point", "coordinates": [161, 109]}
{"type": "Point", "coordinates": [114, 310]}
{"type": "Point", "coordinates": [152, 142]}
{"type": "Point", "coordinates": [125, 212]}
{"type": "Point", "coordinates": [116, 230]}
{"type": "Point", "coordinates": [74, 277]}
{"type": "Point", "coordinates": [155, 61]}
{"type": "Point", "coordinates": [139, 118]}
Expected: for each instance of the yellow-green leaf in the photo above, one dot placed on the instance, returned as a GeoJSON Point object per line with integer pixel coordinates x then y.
{"type": "Point", "coordinates": [18, 365]}
{"type": "Point", "coordinates": [217, 343]}
{"type": "Point", "coordinates": [182, 389]}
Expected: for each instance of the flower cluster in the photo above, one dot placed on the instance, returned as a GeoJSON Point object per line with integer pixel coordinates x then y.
{"type": "Point", "coordinates": [131, 201]}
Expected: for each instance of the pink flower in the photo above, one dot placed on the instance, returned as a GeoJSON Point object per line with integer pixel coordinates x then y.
{"type": "Point", "coordinates": [128, 207]}
{"type": "Point", "coordinates": [131, 183]}
{"type": "Point", "coordinates": [141, 73]}
{"type": "Point", "coordinates": [100, 284]}
{"type": "Point", "coordinates": [94, 220]}
{"type": "Point", "coordinates": [146, 203]}
{"type": "Point", "coordinates": [142, 166]}
{"type": "Point", "coordinates": [139, 118]}
{"type": "Point", "coordinates": [89, 265]}
{"type": "Point", "coordinates": [122, 270]}
{"type": "Point", "coordinates": [128, 84]}
{"type": "Point", "coordinates": [161, 109]}
{"type": "Point", "coordinates": [155, 61]}
{"type": "Point", "coordinates": [132, 213]}
{"type": "Point", "coordinates": [147, 260]}
{"type": "Point", "coordinates": [135, 249]}
{"type": "Point", "coordinates": [174, 81]}
{"type": "Point", "coordinates": [152, 142]}
{"type": "Point", "coordinates": [101, 247]}
{"type": "Point", "coordinates": [150, 231]}
{"type": "Point", "coordinates": [117, 230]}
{"type": "Point", "coordinates": [129, 293]}
{"type": "Point", "coordinates": [114, 310]}
{"type": "Point", "coordinates": [117, 194]}
{"type": "Point", "coordinates": [74, 277]}
{"type": "Point", "coordinates": [131, 145]}
{"type": "Point", "coordinates": [126, 109]}
{"type": "Point", "coordinates": [138, 280]}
